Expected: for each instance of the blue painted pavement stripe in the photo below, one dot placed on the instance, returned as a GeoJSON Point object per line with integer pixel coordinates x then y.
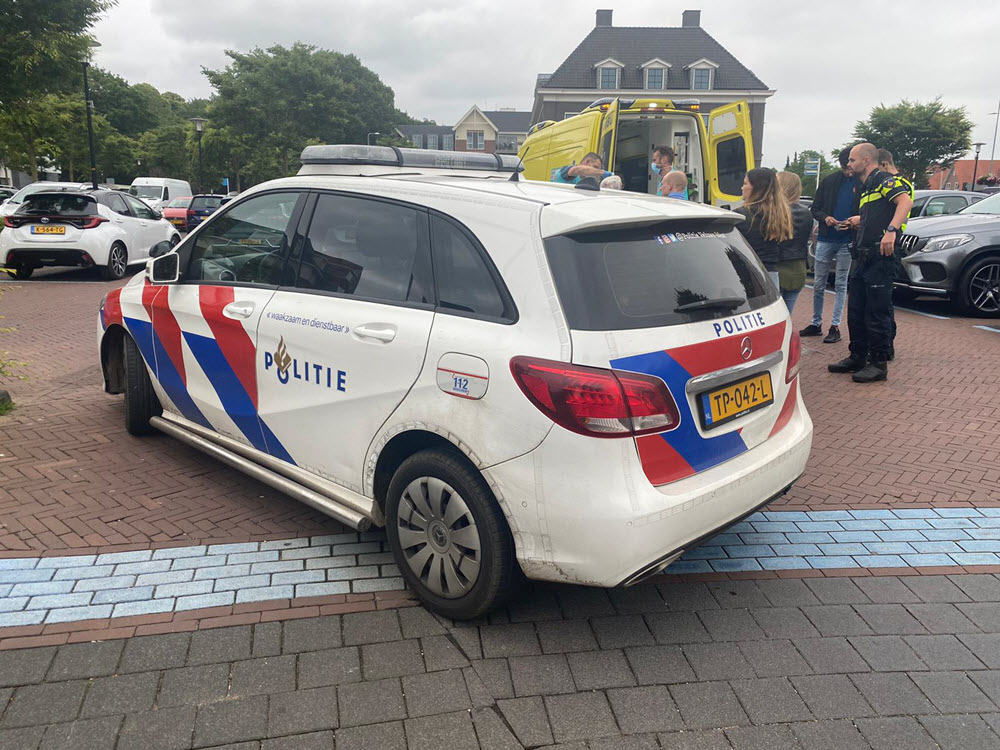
{"type": "Point", "coordinates": [36, 591]}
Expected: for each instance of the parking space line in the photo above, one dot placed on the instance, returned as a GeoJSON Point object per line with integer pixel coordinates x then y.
{"type": "Point", "coordinates": [925, 314]}
{"type": "Point", "coordinates": [988, 328]}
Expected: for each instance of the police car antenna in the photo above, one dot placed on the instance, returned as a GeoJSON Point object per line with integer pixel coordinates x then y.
{"type": "Point", "coordinates": [520, 161]}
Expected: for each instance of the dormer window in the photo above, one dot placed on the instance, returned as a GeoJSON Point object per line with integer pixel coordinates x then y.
{"type": "Point", "coordinates": [701, 74]}
{"type": "Point", "coordinates": [655, 74]}
{"type": "Point", "coordinates": [609, 74]}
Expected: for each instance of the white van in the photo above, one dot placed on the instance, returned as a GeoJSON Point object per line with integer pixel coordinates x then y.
{"type": "Point", "coordinates": [159, 191]}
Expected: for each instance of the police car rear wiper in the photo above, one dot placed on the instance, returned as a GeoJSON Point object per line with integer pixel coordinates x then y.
{"type": "Point", "coordinates": [725, 303]}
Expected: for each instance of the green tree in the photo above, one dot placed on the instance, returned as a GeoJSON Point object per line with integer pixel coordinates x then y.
{"type": "Point", "coordinates": [124, 106]}
{"type": "Point", "coordinates": [43, 44]}
{"type": "Point", "coordinates": [163, 151]}
{"type": "Point", "coordinates": [798, 166]}
{"type": "Point", "coordinates": [919, 135]}
{"type": "Point", "coordinates": [283, 98]}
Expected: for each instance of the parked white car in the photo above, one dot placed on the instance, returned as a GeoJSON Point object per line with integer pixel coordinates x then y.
{"type": "Point", "coordinates": [103, 228]}
{"type": "Point", "coordinates": [10, 205]}
{"type": "Point", "coordinates": [506, 374]}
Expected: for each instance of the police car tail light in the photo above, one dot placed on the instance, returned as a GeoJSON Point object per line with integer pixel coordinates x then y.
{"type": "Point", "coordinates": [594, 401]}
{"type": "Point", "coordinates": [794, 357]}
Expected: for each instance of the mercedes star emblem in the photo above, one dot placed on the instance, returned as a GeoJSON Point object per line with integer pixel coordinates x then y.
{"type": "Point", "coordinates": [746, 347]}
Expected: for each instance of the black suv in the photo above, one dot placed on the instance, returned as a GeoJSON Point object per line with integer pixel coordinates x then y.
{"type": "Point", "coordinates": [955, 256]}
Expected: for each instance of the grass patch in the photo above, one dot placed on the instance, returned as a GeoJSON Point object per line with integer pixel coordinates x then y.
{"type": "Point", "coordinates": [6, 407]}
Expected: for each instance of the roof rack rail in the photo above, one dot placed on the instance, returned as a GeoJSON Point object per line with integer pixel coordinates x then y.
{"type": "Point", "coordinates": [415, 158]}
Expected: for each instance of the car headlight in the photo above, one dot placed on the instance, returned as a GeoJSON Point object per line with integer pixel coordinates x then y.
{"type": "Point", "coordinates": [946, 242]}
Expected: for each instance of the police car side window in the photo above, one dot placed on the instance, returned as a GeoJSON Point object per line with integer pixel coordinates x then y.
{"type": "Point", "coordinates": [464, 281]}
{"type": "Point", "coordinates": [367, 248]}
{"type": "Point", "coordinates": [246, 244]}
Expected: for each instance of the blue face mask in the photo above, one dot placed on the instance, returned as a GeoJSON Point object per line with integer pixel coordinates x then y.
{"type": "Point", "coordinates": [653, 165]}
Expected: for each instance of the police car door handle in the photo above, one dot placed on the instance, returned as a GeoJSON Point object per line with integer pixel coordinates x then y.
{"type": "Point", "coordinates": [378, 331]}
{"type": "Point", "coordinates": [238, 310]}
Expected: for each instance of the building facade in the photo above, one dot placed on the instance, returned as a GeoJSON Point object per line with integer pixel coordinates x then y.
{"type": "Point", "coordinates": [958, 176]}
{"type": "Point", "coordinates": [499, 131]}
{"type": "Point", "coordinates": [661, 62]}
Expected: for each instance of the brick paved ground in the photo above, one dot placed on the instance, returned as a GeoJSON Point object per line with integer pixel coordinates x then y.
{"type": "Point", "coordinates": [72, 479]}
{"type": "Point", "coordinates": [814, 664]}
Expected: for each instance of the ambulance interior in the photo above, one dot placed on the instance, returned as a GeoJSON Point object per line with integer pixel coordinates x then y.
{"type": "Point", "coordinates": [639, 134]}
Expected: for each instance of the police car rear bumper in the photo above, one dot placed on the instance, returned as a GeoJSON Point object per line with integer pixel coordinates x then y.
{"type": "Point", "coordinates": [582, 511]}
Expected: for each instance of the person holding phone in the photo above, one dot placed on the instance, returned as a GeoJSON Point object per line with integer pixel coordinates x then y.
{"type": "Point", "coordinates": [832, 205]}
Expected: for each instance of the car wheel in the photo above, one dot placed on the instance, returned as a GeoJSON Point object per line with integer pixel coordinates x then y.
{"type": "Point", "coordinates": [21, 272]}
{"type": "Point", "coordinates": [979, 289]}
{"type": "Point", "coordinates": [448, 535]}
{"type": "Point", "coordinates": [141, 403]}
{"type": "Point", "coordinates": [117, 262]}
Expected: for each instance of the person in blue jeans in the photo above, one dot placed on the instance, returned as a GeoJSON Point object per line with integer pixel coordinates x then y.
{"type": "Point", "coordinates": [833, 204]}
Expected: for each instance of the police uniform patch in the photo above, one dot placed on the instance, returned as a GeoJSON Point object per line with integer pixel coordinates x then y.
{"type": "Point", "coordinates": [889, 183]}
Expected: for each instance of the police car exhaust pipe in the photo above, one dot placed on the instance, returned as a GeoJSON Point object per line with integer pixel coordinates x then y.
{"type": "Point", "coordinates": [340, 495]}
{"type": "Point", "coordinates": [272, 479]}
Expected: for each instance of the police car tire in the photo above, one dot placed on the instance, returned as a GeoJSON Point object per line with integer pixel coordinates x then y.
{"type": "Point", "coordinates": [141, 403]}
{"type": "Point", "coordinates": [499, 573]}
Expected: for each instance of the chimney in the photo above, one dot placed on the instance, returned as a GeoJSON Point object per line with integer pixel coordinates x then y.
{"type": "Point", "coordinates": [604, 17]}
{"type": "Point", "coordinates": [691, 19]}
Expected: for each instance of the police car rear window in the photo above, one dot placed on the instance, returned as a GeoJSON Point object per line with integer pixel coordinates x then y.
{"type": "Point", "coordinates": [652, 276]}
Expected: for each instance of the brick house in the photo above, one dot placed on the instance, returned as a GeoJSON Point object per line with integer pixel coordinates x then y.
{"type": "Point", "coordinates": [492, 131]}
{"type": "Point", "coordinates": [959, 175]}
{"type": "Point", "coordinates": [669, 62]}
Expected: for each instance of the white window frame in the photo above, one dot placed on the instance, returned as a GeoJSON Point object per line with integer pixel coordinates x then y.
{"type": "Point", "coordinates": [655, 64]}
{"type": "Point", "coordinates": [702, 64]}
{"type": "Point", "coordinates": [469, 142]}
{"type": "Point", "coordinates": [447, 142]}
{"type": "Point", "coordinates": [417, 139]}
{"type": "Point", "coordinates": [568, 115]}
{"type": "Point", "coordinates": [432, 141]}
{"type": "Point", "coordinates": [663, 79]}
{"type": "Point", "coordinates": [609, 63]}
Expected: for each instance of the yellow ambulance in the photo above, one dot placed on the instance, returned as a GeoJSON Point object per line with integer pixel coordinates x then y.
{"type": "Point", "coordinates": [715, 151]}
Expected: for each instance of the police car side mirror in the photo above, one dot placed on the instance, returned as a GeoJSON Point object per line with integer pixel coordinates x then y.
{"type": "Point", "coordinates": [163, 270]}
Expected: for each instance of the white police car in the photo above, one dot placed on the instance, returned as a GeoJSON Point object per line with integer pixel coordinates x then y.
{"type": "Point", "coordinates": [510, 376]}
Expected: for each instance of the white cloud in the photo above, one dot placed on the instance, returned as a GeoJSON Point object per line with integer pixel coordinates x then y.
{"type": "Point", "coordinates": [441, 57]}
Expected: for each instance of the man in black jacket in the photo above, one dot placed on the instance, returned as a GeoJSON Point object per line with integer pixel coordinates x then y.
{"type": "Point", "coordinates": [833, 203]}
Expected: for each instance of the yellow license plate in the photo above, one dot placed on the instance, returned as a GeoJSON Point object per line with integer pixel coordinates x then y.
{"type": "Point", "coordinates": [733, 401]}
{"type": "Point", "coordinates": [48, 230]}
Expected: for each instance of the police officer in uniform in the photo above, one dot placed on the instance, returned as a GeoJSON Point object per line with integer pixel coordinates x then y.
{"type": "Point", "coordinates": [887, 164]}
{"type": "Point", "coordinates": [884, 203]}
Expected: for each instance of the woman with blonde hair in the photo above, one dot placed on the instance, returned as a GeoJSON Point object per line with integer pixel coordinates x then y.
{"type": "Point", "coordinates": [792, 253]}
{"type": "Point", "coordinates": [767, 219]}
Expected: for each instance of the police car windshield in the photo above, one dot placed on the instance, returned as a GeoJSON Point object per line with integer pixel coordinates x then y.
{"type": "Point", "coordinates": [661, 275]}
{"type": "Point", "coordinates": [989, 205]}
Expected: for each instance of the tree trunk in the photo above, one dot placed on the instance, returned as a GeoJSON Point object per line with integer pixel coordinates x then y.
{"type": "Point", "coordinates": [72, 174]}
{"type": "Point", "coordinates": [30, 138]}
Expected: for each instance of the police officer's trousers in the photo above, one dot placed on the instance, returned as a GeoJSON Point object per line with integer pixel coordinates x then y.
{"type": "Point", "coordinates": [869, 305]}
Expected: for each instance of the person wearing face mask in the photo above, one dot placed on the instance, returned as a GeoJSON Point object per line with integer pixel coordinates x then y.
{"type": "Point", "coordinates": [663, 162]}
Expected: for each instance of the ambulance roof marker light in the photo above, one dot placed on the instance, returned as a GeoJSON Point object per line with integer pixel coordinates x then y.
{"type": "Point", "coordinates": [414, 158]}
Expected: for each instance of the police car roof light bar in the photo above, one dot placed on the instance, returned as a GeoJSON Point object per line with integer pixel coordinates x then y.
{"type": "Point", "coordinates": [415, 158]}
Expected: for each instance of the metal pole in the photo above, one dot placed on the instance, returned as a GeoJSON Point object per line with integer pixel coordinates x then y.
{"type": "Point", "coordinates": [975, 168]}
{"type": "Point", "coordinates": [201, 172]}
{"type": "Point", "coordinates": [90, 127]}
{"type": "Point", "coordinates": [994, 149]}
{"type": "Point", "coordinates": [819, 169]}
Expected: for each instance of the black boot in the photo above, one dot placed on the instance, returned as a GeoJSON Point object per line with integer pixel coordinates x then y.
{"type": "Point", "coordinates": [892, 354]}
{"type": "Point", "coordinates": [846, 365]}
{"type": "Point", "coordinates": [874, 372]}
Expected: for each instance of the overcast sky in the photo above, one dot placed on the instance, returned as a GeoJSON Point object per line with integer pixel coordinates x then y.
{"type": "Point", "coordinates": [441, 57]}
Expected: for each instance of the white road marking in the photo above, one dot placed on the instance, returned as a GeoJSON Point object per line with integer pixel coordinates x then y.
{"type": "Point", "coordinates": [988, 328]}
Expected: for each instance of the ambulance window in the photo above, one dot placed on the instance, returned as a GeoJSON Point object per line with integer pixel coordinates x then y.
{"type": "Point", "coordinates": [731, 160]}
{"type": "Point", "coordinates": [367, 248]}
{"type": "Point", "coordinates": [465, 282]}
{"type": "Point", "coordinates": [245, 244]}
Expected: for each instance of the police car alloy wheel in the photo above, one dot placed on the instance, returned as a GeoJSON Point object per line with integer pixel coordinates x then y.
{"type": "Point", "coordinates": [117, 262]}
{"type": "Point", "coordinates": [448, 535]}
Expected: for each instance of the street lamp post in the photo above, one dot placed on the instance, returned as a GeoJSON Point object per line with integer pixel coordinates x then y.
{"type": "Point", "coordinates": [975, 164]}
{"type": "Point", "coordinates": [199, 125]}
{"type": "Point", "coordinates": [376, 134]}
{"type": "Point", "coordinates": [993, 150]}
{"type": "Point", "coordinates": [90, 125]}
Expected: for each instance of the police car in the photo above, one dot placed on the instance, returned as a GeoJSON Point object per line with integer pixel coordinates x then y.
{"type": "Point", "coordinates": [510, 376]}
